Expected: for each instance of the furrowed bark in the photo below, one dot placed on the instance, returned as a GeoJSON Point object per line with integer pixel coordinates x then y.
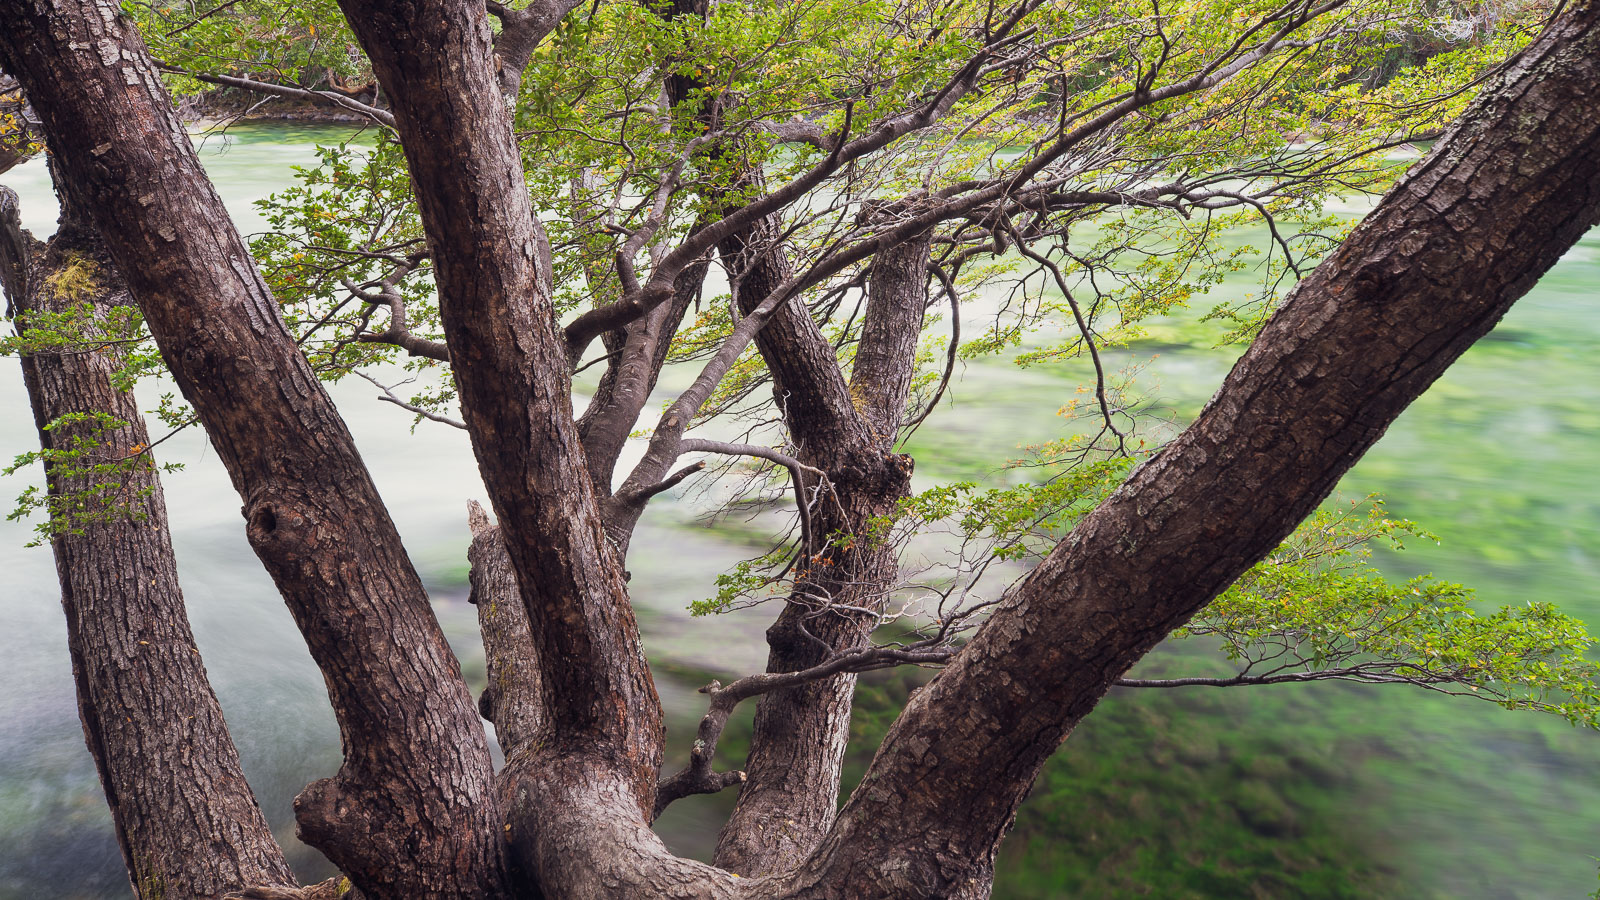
{"type": "Point", "coordinates": [411, 813]}
{"type": "Point", "coordinates": [13, 112]}
{"type": "Point", "coordinates": [512, 698]}
{"type": "Point", "coordinates": [434, 59]}
{"type": "Point", "coordinates": [1509, 189]}
{"type": "Point", "coordinates": [798, 743]}
{"type": "Point", "coordinates": [897, 296]}
{"type": "Point", "coordinates": [169, 768]}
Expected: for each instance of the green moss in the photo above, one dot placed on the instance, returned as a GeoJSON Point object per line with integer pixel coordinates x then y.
{"type": "Point", "coordinates": [75, 279]}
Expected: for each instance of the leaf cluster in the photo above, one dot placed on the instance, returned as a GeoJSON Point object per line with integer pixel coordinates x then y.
{"type": "Point", "coordinates": [94, 478]}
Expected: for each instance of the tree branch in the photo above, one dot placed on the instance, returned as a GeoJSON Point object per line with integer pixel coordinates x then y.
{"type": "Point", "coordinates": [378, 116]}
{"type": "Point", "coordinates": [698, 778]}
{"type": "Point", "coordinates": [388, 396]}
{"type": "Point", "coordinates": [591, 324]}
{"type": "Point", "coordinates": [397, 333]}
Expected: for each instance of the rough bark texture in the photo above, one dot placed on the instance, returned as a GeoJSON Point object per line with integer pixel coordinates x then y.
{"type": "Point", "coordinates": [186, 820]}
{"type": "Point", "coordinates": [897, 297]}
{"type": "Point", "coordinates": [1432, 269]}
{"type": "Point", "coordinates": [411, 813]}
{"type": "Point", "coordinates": [798, 743]}
{"type": "Point", "coordinates": [603, 727]}
{"type": "Point", "coordinates": [512, 699]}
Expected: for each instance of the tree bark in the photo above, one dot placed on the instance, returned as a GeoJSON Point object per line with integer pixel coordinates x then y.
{"type": "Point", "coordinates": [1470, 229]}
{"type": "Point", "coordinates": [897, 298]}
{"type": "Point", "coordinates": [800, 734]}
{"type": "Point", "coordinates": [512, 699]}
{"type": "Point", "coordinates": [1434, 267]}
{"type": "Point", "coordinates": [604, 725]}
{"type": "Point", "coordinates": [186, 821]}
{"type": "Point", "coordinates": [411, 813]}
{"type": "Point", "coordinates": [614, 410]}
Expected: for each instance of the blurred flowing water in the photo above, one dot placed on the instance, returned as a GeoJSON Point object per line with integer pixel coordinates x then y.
{"type": "Point", "coordinates": [1459, 799]}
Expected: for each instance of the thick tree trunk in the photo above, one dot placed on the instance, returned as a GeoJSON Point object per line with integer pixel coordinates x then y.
{"type": "Point", "coordinates": [1430, 271]}
{"type": "Point", "coordinates": [603, 727]}
{"type": "Point", "coordinates": [186, 820]}
{"type": "Point", "coordinates": [1472, 227]}
{"type": "Point", "coordinates": [412, 812]}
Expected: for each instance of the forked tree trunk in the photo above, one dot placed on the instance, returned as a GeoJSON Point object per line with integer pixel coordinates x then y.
{"type": "Point", "coordinates": [412, 812]}
{"type": "Point", "coordinates": [800, 733]}
{"type": "Point", "coordinates": [186, 820]}
{"type": "Point", "coordinates": [1431, 270]}
{"type": "Point", "coordinates": [601, 744]}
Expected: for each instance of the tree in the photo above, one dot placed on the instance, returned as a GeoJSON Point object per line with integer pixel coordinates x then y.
{"type": "Point", "coordinates": [160, 779]}
{"type": "Point", "coordinates": [416, 810]}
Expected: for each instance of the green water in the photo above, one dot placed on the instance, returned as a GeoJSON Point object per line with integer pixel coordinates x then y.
{"type": "Point", "coordinates": [1324, 791]}
{"type": "Point", "coordinates": [1342, 790]}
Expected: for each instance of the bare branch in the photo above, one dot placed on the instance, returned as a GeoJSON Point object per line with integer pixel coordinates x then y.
{"type": "Point", "coordinates": [397, 333]}
{"type": "Point", "coordinates": [666, 484]}
{"type": "Point", "coordinates": [388, 396]}
{"type": "Point", "coordinates": [1083, 330]}
{"type": "Point", "coordinates": [697, 777]}
{"type": "Point", "coordinates": [379, 116]}
{"type": "Point", "coordinates": [950, 359]}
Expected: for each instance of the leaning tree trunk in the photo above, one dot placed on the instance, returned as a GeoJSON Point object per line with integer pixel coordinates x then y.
{"type": "Point", "coordinates": [412, 812]}
{"type": "Point", "coordinates": [186, 820]}
{"type": "Point", "coordinates": [585, 792]}
{"type": "Point", "coordinates": [1470, 229]}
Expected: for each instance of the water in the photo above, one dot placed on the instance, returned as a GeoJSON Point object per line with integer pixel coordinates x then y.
{"type": "Point", "coordinates": [1448, 797]}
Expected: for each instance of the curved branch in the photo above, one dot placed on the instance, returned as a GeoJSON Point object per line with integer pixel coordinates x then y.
{"type": "Point", "coordinates": [950, 359]}
{"type": "Point", "coordinates": [698, 778]}
{"type": "Point", "coordinates": [397, 333]}
{"type": "Point", "coordinates": [388, 396]}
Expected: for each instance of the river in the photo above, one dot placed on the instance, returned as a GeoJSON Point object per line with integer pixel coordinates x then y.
{"type": "Point", "coordinates": [1328, 791]}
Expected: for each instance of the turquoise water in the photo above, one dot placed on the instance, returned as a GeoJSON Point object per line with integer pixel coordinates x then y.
{"type": "Point", "coordinates": [1386, 790]}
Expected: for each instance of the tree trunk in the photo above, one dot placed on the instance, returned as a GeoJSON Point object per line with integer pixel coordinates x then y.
{"type": "Point", "coordinates": [800, 734]}
{"type": "Point", "coordinates": [1433, 268]}
{"type": "Point", "coordinates": [603, 733]}
{"type": "Point", "coordinates": [1470, 229]}
{"type": "Point", "coordinates": [186, 820]}
{"type": "Point", "coordinates": [412, 812]}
